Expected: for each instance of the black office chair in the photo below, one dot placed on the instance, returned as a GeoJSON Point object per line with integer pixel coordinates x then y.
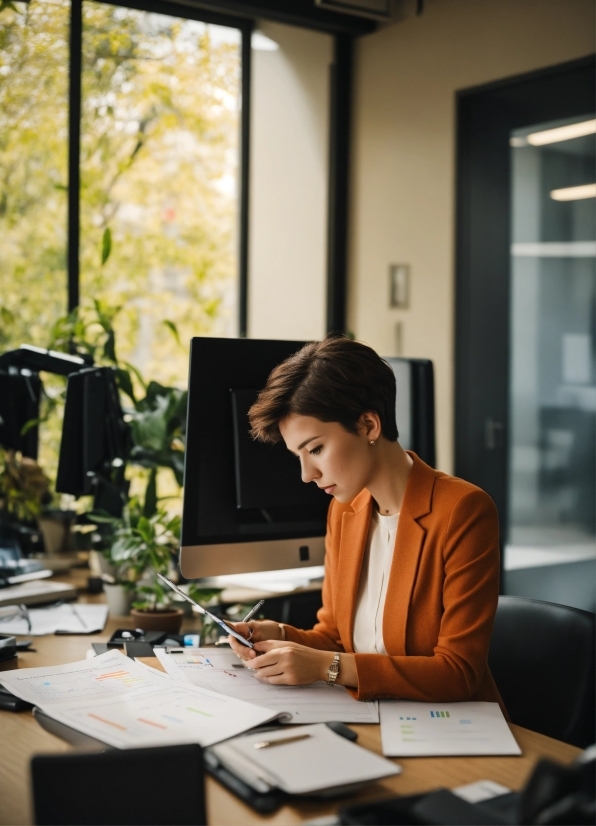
{"type": "Point", "coordinates": [542, 658]}
{"type": "Point", "coordinates": [120, 787]}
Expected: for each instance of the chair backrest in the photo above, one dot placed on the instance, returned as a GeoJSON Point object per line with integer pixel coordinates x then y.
{"type": "Point", "coordinates": [131, 786]}
{"type": "Point", "coordinates": [542, 658]}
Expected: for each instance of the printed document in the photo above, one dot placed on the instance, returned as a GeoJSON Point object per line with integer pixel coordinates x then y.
{"type": "Point", "coordinates": [117, 701]}
{"type": "Point", "coordinates": [411, 729]}
{"type": "Point", "coordinates": [220, 670]}
{"type": "Point", "coordinates": [67, 618]}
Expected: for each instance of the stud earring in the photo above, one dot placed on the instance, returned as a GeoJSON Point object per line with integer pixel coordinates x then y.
{"type": "Point", "coordinates": [372, 442]}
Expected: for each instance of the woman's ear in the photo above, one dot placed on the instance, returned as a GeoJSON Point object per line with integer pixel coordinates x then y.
{"type": "Point", "coordinates": [370, 425]}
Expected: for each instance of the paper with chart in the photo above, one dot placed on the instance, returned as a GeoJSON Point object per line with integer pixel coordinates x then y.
{"type": "Point", "coordinates": [117, 701]}
{"type": "Point", "coordinates": [411, 729]}
{"type": "Point", "coordinates": [220, 670]}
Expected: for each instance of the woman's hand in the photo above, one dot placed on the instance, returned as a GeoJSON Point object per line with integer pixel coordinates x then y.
{"type": "Point", "coordinates": [288, 663]}
{"type": "Point", "coordinates": [261, 630]}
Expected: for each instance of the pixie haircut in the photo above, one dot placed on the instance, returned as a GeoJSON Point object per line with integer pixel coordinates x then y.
{"type": "Point", "coordinates": [333, 380]}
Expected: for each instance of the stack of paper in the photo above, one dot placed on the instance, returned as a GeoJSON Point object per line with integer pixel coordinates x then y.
{"type": "Point", "coordinates": [315, 761]}
{"type": "Point", "coordinates": [411, 729]}
{"type": "Point", "coordinates": [58, 619]}
{"type": "Point", "coordinates": [120, 703]}
{"type": "Point", "coordinates": [220, 670]}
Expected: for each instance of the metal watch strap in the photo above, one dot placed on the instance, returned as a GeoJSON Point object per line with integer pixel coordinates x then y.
{"type": "Point", "coordinates": [333, 670]}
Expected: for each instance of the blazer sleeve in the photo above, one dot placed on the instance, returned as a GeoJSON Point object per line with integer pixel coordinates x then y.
{"type": "Point", "coordinates": [470, 596]}
{"type": "Point", "coordinates": [324, 635]}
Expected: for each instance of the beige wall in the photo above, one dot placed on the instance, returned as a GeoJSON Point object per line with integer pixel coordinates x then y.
{"type": "Point", "coordinates": [289, 148]}
{"type": "Point", "coordinates": [403, 194]}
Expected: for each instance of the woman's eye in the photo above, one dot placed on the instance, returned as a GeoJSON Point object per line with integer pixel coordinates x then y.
{"type": "Point", "coordinates": [316, 450]}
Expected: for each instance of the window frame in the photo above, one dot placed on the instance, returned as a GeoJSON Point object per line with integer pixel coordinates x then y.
{"type": "Point", "coordinates": [340, 110]}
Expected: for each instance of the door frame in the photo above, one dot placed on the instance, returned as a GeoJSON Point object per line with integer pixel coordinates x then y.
{"type": "Point", "coordinates": [485, 117]}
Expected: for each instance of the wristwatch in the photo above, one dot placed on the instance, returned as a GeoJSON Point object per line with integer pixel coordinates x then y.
{"type": "Point", "coordinates": [333, 670]}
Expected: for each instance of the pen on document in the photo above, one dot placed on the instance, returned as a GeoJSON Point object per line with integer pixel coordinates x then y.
{"type": "Point", "coordinates": [78, 616]}
{"type": "Point", "coordinates": [253, 611]}
{"type": "Point", "coordinates": [265, 744]}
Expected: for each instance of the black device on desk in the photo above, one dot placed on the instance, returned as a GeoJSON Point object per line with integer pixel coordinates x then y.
{"type": "Point", "coordinates": [154, 785]}
{"type": "Point", "coordinates": [554, 794]}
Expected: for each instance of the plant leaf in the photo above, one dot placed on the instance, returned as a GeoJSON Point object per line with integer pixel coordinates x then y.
{"type": "Point", "coordinates": [106, 245]}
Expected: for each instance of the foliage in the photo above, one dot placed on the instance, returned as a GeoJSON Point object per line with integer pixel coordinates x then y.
{"type": "Point", "coordinates": [140, 548]}
{"type": "Point", "coordinates": [160, 125]}
{"type": "Point", "coordinates": [24, 487]}
{"type": "Point", "coordinates": [33, 168]}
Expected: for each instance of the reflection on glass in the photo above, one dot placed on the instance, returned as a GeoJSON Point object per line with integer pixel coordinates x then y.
{"type": "Point", "coordinates": [159, 169]}
{"type": "Point", "coordinates": [33, 169]}
{"type": "Point", "coordinates": [552, 460]}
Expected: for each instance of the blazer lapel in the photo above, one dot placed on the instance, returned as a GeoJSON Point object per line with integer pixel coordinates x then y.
{"type": "Point", "coordinates": [354, 531]}
{"type": "Point", "coordinates": [408, 547]}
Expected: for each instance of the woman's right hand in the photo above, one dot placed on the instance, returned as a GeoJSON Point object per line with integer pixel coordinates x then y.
{"type": "Point", "coordinates": [261, 630]}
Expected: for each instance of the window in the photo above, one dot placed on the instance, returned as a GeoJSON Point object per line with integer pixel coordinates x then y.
{"type": "Point", "coordinates": [33, 169]}
{"type": "Point", "coordinates": [159, 170]}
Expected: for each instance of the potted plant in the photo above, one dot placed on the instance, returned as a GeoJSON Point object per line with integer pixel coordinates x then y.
{"type": "Point", "coordinates": [138, 548]}
{"type": "Point", "coordinates": [24, 493]}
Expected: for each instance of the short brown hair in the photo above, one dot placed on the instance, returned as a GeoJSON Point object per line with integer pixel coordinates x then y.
{"type": "Point", "coordinates": [334, 380]}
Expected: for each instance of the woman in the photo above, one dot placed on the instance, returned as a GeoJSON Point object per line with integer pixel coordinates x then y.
{"type": "Point", "coordinates": [412, 554]}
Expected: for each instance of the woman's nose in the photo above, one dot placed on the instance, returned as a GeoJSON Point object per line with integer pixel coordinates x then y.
{"type": "Point", "coordinates": [308, 472]}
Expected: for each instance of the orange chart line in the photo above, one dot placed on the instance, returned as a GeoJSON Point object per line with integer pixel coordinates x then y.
{"type": "Point", "coordinates": [114, 674]}
{"type": "Point", "coordinates": [107, 722]}
{"type": "Point", "coordinates": [151, 723]}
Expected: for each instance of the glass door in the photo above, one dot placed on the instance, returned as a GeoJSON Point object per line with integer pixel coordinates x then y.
{"type": "Point", "coordinates": [552, 384]}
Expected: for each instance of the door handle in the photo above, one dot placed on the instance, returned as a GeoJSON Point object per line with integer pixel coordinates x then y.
{"type": "Point", "coordinates": [494, 432]}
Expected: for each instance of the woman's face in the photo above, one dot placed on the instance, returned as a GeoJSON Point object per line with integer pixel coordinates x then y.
{"type": "Point", "coordinates": [339, 462]}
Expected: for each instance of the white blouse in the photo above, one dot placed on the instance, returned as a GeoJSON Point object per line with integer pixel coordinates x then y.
{"type": "Point", "coordinates": [372, 590]}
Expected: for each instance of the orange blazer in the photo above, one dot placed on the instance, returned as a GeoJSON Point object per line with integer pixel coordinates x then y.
{"type": "Point", "coordinates": [441, 597]}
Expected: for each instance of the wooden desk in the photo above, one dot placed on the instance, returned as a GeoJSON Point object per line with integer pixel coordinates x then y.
{"type": "Point", "coordinates": [21, 737]}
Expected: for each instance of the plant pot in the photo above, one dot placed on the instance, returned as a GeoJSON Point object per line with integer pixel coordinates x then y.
{"type": "Point", "coordinates": [100, 565]}
{"type": "Point", "coordinates": [119, 599]}
{"type": "Point", "coordinates": [170, 621]}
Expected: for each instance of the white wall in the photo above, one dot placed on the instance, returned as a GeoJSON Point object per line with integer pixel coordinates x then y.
{"type": "Point", "coordinates": [403, 178]}
{"type": "Point", "coordinates": [288, 187]}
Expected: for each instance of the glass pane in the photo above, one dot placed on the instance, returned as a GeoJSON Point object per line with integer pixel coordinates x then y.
{"type": "Point", "coordinates": [159, 169]}
{"type": "Point", "coordinates": [552, 462]}
{"type": "Point", "coordinates": [33, 169]}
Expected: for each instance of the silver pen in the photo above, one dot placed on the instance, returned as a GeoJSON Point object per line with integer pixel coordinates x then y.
{"type": "Point", "coordinates": [254, 610]}
{"type": "Point", "coordinates": [266, 744]}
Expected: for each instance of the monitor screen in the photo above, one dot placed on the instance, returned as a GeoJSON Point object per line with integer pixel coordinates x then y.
{"type": "Point", "coordinates": [245, 505]}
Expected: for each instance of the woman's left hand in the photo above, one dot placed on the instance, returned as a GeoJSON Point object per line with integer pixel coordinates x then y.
{"type": "Point", "coordinates": [288, 663]}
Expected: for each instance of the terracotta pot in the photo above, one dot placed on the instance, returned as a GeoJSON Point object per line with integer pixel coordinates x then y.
{"type": "Point", "coordinates": [170, 621]}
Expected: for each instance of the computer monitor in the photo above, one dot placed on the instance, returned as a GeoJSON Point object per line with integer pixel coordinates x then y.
{"type": "Point", "coordinates": [20, 393]}
{"type": "Point", "coordinates": [95, 440]}
{"type": "Point", "coordinates": [245, 507]}
{"type": "Point", "coordinates": [415, 406]}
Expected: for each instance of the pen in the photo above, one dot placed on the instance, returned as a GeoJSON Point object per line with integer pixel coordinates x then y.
{"type": "Point", "coordinates": [265, 744]}
{"type": "Point", "coordinates": [78, 616]}
{"type": "Point", "coordinates": [253, 611]}
{"type": "Point", "coordinates": [220, 622]}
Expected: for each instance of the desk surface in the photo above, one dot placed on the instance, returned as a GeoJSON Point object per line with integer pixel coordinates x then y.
{"type": "Point", "coordinates": [21, 737]}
